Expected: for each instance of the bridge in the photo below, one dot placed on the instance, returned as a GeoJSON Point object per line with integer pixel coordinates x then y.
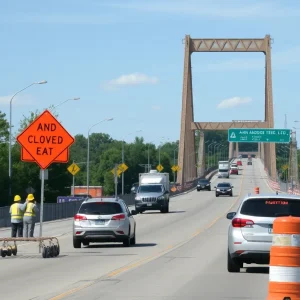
{"type": "Point", "coordinates": [188, 170]}
{"type": "Point", "coordinates": [179, 255]}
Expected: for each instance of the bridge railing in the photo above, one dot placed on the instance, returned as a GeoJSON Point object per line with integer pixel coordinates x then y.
{"type": "Point", "coordinates": [283, 186]}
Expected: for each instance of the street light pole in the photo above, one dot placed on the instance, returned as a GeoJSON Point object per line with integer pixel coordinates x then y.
{"type": "Point", "coordinates": [10, 134]}
{"type": "Point", "coordinates": [88, 155]}
{"type": "Point", "coordinates": [210, 160]}
{"type": "Point", "coordinates": [74, 99]}
{"type": "Point", "coordinates": [123, 159]}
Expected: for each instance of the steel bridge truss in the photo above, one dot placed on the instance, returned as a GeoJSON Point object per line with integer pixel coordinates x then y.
{"type": "Point", "coordinates": [187, 154]}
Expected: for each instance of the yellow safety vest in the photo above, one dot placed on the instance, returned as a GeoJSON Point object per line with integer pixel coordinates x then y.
{"type": "Point", "coordinates": [16, 212]}
{"type": "Point", "coordinates": [29, 210]}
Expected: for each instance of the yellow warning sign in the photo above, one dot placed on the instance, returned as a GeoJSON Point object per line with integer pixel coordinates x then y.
{"type": "Point", "coordinates": [73, 169]}
{"type": "Point", "coordinates": [119, 172]}
{"type": "Point", "coordinates": [123, 167]}
{"type": "Point", "coordinates": [159, 168]}
{"type": "Point", "coordinates": [175, 168]}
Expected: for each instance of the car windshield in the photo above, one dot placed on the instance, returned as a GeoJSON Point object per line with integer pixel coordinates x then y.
{"type": "Point", "coordinates": [100, 208]}
{"type": "Point", "coordinates": [151, 188]}
{"type": "Point", "coordinates": [270, 207]}
{"type": "Point", "coordinates": [223, 170]}
{"type": "Point", "coordinates": [203, 181]}
{"type": "Point", "coordinates": [223, 185]}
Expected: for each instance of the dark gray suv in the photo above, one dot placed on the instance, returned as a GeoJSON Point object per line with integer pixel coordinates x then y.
{"type": "Point", "coordinates": [224, 188]}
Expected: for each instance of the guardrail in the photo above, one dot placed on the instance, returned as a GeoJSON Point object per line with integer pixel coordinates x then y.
{"type": "Point", "coordinates": [283, 187]}
{"type": "Point", "coordinates": [58, 211]}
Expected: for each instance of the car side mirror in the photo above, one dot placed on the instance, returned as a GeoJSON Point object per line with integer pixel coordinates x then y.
{"type": "Point", "coordinates": [133, 212]}
{"type": "Point", "coordinates": [230, 215]}
{"type": "Point", "coordinates": [232, 186]}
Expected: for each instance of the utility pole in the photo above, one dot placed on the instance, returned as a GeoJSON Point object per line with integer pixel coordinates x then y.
{"type": "Point", "coordinates": [293, 163]}
{"type": "Point", "coordinates": [123, 163]}
{"type": "Point", "coordinates": [285, 121]}
{"type": "Point", "coordinates": [116, 180]}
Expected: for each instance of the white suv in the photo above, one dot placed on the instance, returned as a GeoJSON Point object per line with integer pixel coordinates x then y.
{"type": "Point", "coordinates": [251, 228]}
{"type": "Point", "coordinates": [104, 220]}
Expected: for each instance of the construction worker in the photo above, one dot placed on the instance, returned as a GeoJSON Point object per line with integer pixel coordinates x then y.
{"type": "Point", "coordinates": [30, 216]}
{"type": "Point", "coordinates": [16, 211]}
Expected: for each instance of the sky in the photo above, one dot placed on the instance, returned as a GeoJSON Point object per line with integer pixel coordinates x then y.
{"type": "Point", "coordinates": [124, 59]}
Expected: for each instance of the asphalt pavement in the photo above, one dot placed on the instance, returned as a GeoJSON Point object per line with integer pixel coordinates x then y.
{"type": "Point", "coordinates": [180, 255]}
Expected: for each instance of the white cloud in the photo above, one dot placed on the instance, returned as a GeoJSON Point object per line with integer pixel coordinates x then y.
{"type": "Point", "coordinates": [18, 100]}
{"type": "Point", "coordinates": [156, 107]}
{"type": "Point", "coordinates": [130, 79]}
{"type": "Point", "coordinates": [226, 9]}
{"type": "Point", "coordinates": [233, 102]}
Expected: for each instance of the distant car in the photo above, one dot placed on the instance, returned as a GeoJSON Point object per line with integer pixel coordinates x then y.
{"type": "Point", "coordinates": [249, 163]}
{"type": "Point", "coordinates": [251, 230]}
{"type": "Point", "coordinates": [234, 170]}
{"type": "Point", "coordinates": [224, 188]}
{"type": "Point", "coordinates": [234, 165]}
{"type": "Point", "coordinates": [239, 163]}
{"type": "Point", "coordinates": [104, 220]}
{"type": "Point", "coordinates": [203, 184]}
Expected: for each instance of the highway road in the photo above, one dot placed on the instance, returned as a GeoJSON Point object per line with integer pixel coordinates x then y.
{"type": "Point", "coordinates": [180, 255]}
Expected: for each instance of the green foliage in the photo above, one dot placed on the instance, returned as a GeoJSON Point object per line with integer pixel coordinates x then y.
{"type": "Point", "coordinates": [105, 153]}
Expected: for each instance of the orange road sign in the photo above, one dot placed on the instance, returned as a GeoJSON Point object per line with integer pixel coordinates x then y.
{"type": "Point", "coordinates": [45, 139]}
{"type": "Point", "coordinates": [62, 158]}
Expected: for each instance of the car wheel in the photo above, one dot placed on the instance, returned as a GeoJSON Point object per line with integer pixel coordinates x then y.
{"type": "Point", "coordinates": [165, 209]}
{"type": "Point", "coordinates": [132, 240]}
{"type": "Point", "coordinates": [76, 243]}
{"type": "Point", "coordinates": [231, 195]}
{"type": "Point", "coordinates": [232, 265]}
{"type": "Point", "coordinates": [209, 189]}
{"type": "Point", "coordinates": [126, 242]}
{"type": "Point", "coordinates": [217, 195]}
{"type": "Point", "coordinates": [86, 243]}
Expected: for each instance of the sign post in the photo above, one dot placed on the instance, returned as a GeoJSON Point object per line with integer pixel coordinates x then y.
{"type": "Point", "coordinates": [259, 135]}
{"type": "Point", "coordinates": [116, 180]}
{"type": "Point", "coordinates": [45, 141]}
{"type": "Point", "coordinates": [73, 169]}
{"type": "Point", "coordinates": [42, 203]}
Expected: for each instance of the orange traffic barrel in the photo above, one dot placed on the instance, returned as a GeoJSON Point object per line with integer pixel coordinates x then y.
{"type": "Point", "coordinates": [256, 190]}
{"type": "Point", "coordinates": [284, 275]}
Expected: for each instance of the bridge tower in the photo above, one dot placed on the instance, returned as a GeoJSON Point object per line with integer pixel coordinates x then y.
{"type": "Point", "coordinates": [187, 152]}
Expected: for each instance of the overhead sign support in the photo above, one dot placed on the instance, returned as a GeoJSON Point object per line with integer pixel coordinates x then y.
{"type": "Point", "coordinates": [44, 142]}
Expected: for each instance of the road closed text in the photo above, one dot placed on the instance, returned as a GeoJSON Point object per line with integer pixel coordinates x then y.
{"type": "Point", "coordinates": [47, 142]}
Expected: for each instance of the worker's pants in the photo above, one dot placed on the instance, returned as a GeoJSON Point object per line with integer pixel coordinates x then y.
{"type": "Point", "coordinates": [29, 223]}
{"type": "Point", "coordinates": [17, 228]}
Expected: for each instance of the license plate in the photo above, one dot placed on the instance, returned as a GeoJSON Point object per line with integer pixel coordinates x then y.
{"type": "Point", "coordinates": [270, 229]}
{"type": "Point", "coordinates": [203, 186]}
{"type": "Point", "coordinates": [149, 204]}
{"type": "Point", "coordinates": [100, 222]}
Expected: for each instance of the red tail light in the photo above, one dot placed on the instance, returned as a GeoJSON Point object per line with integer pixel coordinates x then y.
{"type": "Point", "coordinates": [237, 222]}
{"type": "Point", "coordinates": [79, 218]}
{"type": "Point", "coordinates": [118, 217]}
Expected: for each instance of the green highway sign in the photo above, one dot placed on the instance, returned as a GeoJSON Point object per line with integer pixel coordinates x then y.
{"type": "Point", "coordinates": [259, 135]}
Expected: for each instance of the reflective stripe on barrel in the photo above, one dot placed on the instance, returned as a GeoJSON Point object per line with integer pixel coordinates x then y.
{"type": "Point", "coordinates": [284, 276]}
